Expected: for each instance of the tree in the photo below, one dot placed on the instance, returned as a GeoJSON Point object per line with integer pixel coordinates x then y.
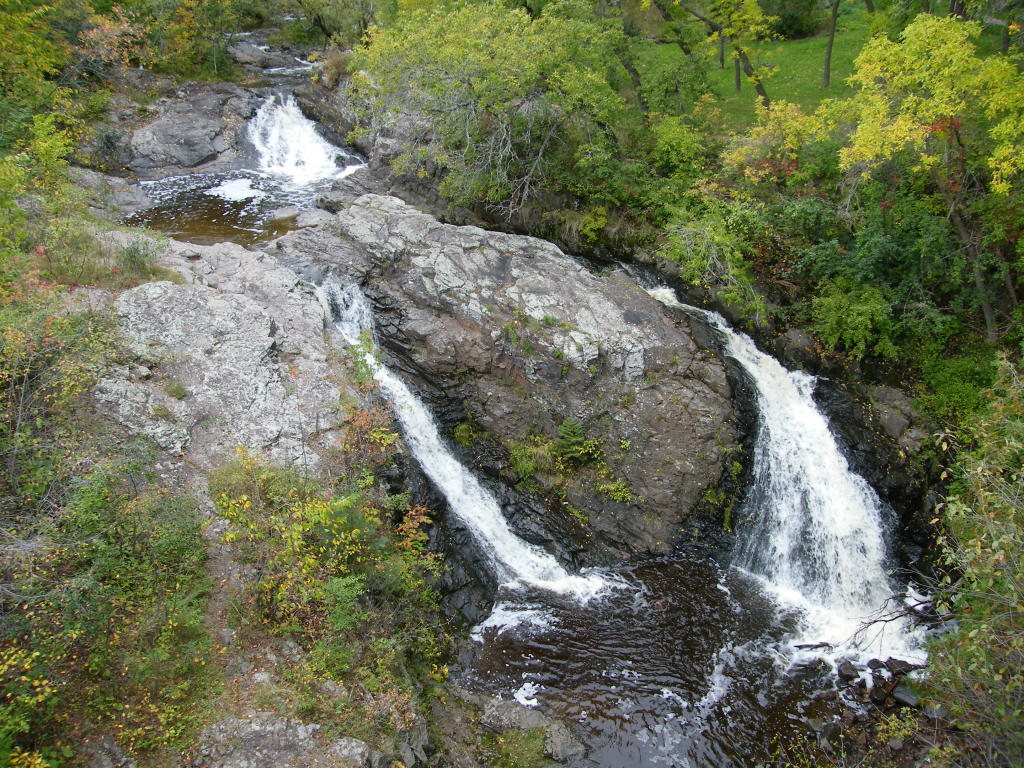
{"type": "Point", "coordinates": [31, 56]}
{"type": "Point", "coordinates": [508, 105]}
{"type": "Point", "coordinates": [734, 21]}
{"type": "Point", "coordinates": [833, 19]}
{"type": "Point", "coordinates": [929, 106]}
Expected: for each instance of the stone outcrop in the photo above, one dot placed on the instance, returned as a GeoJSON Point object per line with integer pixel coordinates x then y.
{"type": "Point", "coordinates": [192, 128]}
{"type": "Point", "coordinates": [510, 335]}
{"type": "Point", "coordinates": [199, 131]}
{"type": "Point", "coordinates": [264, 739]}
{"type": "Point", "coordinates": [233, 355]}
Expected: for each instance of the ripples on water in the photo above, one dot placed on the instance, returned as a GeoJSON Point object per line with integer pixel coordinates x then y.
{"type": "Point", "coordinates": [685, 668]}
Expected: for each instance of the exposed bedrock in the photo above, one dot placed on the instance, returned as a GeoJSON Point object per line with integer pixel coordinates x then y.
{"type": "Point", "coordinates": [509, 337]}
{"type": "Point", "coordinates": [198, 127]}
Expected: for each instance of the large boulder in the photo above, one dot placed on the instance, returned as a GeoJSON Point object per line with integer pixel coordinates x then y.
{"type": "Point", "coordinates": [233, 355]}
{"type": "Point", "coordinates": [509, 336]}
{"type": "Point", "coordinates": [199, 130]}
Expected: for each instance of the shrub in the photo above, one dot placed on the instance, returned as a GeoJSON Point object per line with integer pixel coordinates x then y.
{"type": "Point", "coordinates": [977, 671]}
{"type": "Point", "coordinates": [572, 449]}
{"type": "Point", "coordinates": [856, 317]}
{"type": "Point", "coordinates": [110, 617]}
{"type": "Point", "coordinates": [794, 18]}
{"type": "Point", "coordinates": [334, 571]}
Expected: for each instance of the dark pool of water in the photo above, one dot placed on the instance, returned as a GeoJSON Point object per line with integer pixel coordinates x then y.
{"type": "Point", "coordinates": [684, 666]}
{"type": "Point", "coordinates": [236, 206]}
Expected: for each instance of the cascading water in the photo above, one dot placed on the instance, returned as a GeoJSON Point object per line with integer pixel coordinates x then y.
{"type": "Point", "coordinates": [511, 559]}
{"type": "Point", "coordinates": [289, 145]}
{"type": "Point", "coordinates": [817, 531]}
{"type": "Point", "coordinates": [293, 165]}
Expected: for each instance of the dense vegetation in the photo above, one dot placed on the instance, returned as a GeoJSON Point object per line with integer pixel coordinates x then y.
{"type": "Point", "coordinates": [852, 168]}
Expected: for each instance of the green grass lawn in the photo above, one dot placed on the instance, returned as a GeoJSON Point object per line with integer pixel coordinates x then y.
{"type": "Point", "coordinates": [795, 68]}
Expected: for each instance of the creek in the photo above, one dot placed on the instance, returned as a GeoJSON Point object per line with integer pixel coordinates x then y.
{"type": "Point", "coordinates": [675, 661]}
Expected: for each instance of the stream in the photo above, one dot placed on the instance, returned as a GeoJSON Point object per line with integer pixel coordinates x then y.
{"type": "Point", "coordinates": [663, 662]}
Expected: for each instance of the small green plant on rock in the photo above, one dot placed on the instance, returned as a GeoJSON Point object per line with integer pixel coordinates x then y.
{"type": "Point", "coordinates": [176, 389]}
{"type": "Point", "coordinates": [572, 449]}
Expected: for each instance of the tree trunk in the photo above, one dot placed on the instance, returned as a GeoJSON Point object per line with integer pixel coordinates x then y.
{"type": "Point", "coordinates": [1004, 42]}
{"type": "Point", "coordinates": [1011, 286]}
{"type": "Point", "coordinates": [869, 5]}
{"type": "Point", "coordinates": [970, 243]}
{"type": "Point", "coordinates": [736, 74]}
{"type": "Point", "coordinates": [721, 48]}
{"type": "Point", "coordinates": [715, 28]}
{"type": "Point", "coordinates": [667, 17]}
{"type": "Point", "coordinates": [827, 79]}
{"type": "Point", "coordinates": [634, 78]}
{"type": "Point", "coordinates": [748, 69]}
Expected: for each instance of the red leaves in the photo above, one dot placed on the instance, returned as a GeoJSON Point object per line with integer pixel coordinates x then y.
{"type": "Point", "coordinates": [945, 125]}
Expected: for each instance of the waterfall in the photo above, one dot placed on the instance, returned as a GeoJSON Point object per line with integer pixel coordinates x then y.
{"type": "Point", "coordinates": [512, 560]}
{"type": "Point", "coordinates": [816, 536]}
{"type": "Point", "coordinates": [290, 147]}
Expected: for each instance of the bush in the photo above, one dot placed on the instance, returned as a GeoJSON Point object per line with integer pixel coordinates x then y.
{"type": "Point", "coordinates": [855, 317]}
{"type": "Point", "coordinates": [573, 450]}
{"type": "Point", "coordinates": [335, 572]}
{"type": "Point", "coordinates": [794, 18]}
{"type": "Point", "coordinates": [977, 671]}
{"type": "Point", "coordinates": [109, 618]}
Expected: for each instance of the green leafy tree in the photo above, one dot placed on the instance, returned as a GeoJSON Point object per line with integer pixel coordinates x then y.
{"type": "Point", "coordinates": [31, 56]}
{"type": "Point", "coordinates": [930, 107]}
{"type": "Point", "coordinates": [736, 22]}
{"type": "Point", "coordinates": [506, 104]}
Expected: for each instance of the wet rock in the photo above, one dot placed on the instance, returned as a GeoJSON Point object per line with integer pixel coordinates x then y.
{"type": "Point", "coordinates": [831, 730]}
{"type": "Point", "coordinates": [797, 347]}
{"type": "Point", "coordinates": [905, 696]}
{"type": "Point", "coordinates": [312, 218]}
{"type": "Point", "coordinates": [509, 332]}
{"type": "Point", "coordinates": [899, 667]}
{"type": "Point", "coordinates": [252, 55]}
{"type": "Point", "coordinates": [200, 130]}
{"type": "Point", "coordinates": [346, 191]}
{"type": "Point", "coordinates": [879, 690]}
{"type": "Point", "coordinates": [501, 715]}
{"type": "Point", "coordinates": [560, 745]}
{"type": "Point", "coordinates": [280, 214]}
{"type": "Point", "coordinates": [846, 671]}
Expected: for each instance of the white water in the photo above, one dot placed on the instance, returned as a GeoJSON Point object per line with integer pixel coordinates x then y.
{"type": "Point", "coordinates": [512, 560]}
{"type": "Point", "coordinates": [289, 146]}
{"type": "Point", "coordinates": [816, 535]}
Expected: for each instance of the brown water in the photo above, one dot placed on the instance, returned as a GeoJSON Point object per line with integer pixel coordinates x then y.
{"type": "Point", "coordinates": [238, 206]}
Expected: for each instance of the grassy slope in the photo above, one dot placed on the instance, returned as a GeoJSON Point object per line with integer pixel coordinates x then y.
{"type": "Point", "coordinates": [795, 66]}
{"type": "Point", "coordinates": [796, 69]}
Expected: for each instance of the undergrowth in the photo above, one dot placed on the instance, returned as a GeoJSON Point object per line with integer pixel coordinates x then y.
{"type": "Point", "coordinates": [343, 570]}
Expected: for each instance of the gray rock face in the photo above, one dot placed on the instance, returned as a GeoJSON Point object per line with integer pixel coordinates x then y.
{"type": "Point", "coordinates": [110, 195]}
{"type": "Point", "coordinates": [198, 131]}
{"type": "Point", "coordinates": [252, 55]}
{"type": "Point", "coordinates": [237, 356]}
{"type": "Point", "coordinates": [267, 740]}
{"type": "Point", "coordinates": [899, 418]}
{"type": "Point", "coordinates": [525, 337]}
